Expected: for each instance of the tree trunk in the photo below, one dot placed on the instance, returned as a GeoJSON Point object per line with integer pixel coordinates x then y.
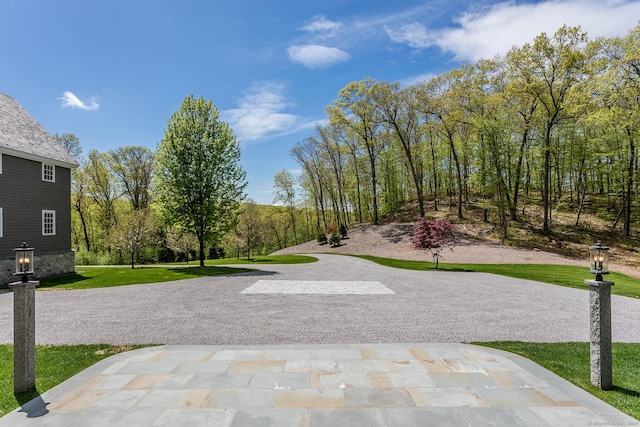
{"type": "Point", "coordinates": [546, 177]}
{"type": "Point", "coordinates": [626, 232]}
{"type": "Point", "coordinates": [201, 244]}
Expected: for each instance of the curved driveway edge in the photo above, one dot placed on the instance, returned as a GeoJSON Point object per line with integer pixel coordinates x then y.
{"type": "Point", "coordinates": [316, 386]}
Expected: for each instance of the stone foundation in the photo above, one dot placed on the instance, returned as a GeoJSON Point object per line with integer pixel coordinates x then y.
{"type": "Point", "coordinates": [45, 265]}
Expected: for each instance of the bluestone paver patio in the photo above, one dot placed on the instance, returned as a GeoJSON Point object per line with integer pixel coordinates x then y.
{"type": "Point", "coordinates": [316, 386]}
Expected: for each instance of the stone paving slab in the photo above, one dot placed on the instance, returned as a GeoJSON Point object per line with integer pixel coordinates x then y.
{"type": "Point", "coordinates": [387, 385]}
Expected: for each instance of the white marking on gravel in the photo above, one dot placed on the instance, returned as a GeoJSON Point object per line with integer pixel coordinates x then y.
{"type": "Point", "coordinates": [317, 287]}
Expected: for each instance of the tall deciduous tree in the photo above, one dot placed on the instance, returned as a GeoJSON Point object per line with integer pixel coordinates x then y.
{"type": "Point", "coordinates": [103, 189]}
{"type": "Point", "coordinates": [355, 109]}
{"type": "Point", "coordinates": [549, 69]}
{"type": "Point", "coordinates": [250, 227]}
{"type": "Point", "coordinates": [198, 181]}
{"type": "Point", "coordinates": [133, 167]}
{"type": "Point", "coordinates": [71, 143]}
{"type": "Point", "coordinates": [285, 192]}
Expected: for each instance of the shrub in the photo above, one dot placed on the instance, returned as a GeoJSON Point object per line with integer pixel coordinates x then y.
{"type": "Point", "coordinates": [166, 255]}
{"type": "Point", "coordinates": [343, 231]}
{"type": "Point", "coordinates": [334, 238]}
{"type": "Point", "coordinates": [322, 239]}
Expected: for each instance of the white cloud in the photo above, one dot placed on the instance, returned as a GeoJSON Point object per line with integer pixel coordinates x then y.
{"type": "Point", "coordinates": [260, 113]}
{"type": "Point", "coordinates": [415, 35]}
{"type": "Point", "coordinates": [70, 100]}
{"type": "Point", "coordinates": [496, 29]}
{"type": "Point", "coordinates": [321, 24]}
{"type": "Point", "coordinates": [317, 56]}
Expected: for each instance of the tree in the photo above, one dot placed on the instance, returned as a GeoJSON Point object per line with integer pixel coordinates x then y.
{"type": "Point", "coordinates": [102, 189]}
{"type": "Point", "coordinates": [134, 232]}
{"type": "Point", "coordinates": [356, 110]}
{"type": "Point", "coordinates": [550, 69]}
{"type": "Point", "coordinates": [249, 228]}
{"type": "Point", "coordinates": [181, 242]}
{"type": "Point", "coordinates": [433, 236]}
{"type": "Point", "coordinates": [71, 143]}
{"type": "Point", "coordinates": [133, 167]}
{"type": "Point", "coordinates": [80, 203]}
{"type": "Point", "coordinates": [398, 109]}
{"type": "Point", "coordinates": [198, 181]}
{"type": "Point", "coordinates": [285, 192]}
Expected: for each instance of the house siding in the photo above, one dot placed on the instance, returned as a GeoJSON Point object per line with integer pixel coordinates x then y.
{"type": "Point", "coordinates": [23, 196]}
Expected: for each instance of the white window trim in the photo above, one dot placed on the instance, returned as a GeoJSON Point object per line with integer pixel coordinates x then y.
{"type": "Point", "coordinates": [44, 214]}
{"type": "Point", "coordinates": [53, 172]}
{"type": "Point", "coordinates": [1, 222]}
{"type": "Point", "coordinates": [0, 163]}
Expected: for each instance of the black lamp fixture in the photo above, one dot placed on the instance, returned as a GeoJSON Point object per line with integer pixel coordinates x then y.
{"type": "Point", "coordinates": [599, 260]}
{"type": "Point", "coordinates": [24, 262]}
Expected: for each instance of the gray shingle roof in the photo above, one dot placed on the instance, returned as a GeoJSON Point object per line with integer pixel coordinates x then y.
{"type": "Point", "coordinates": [22, 134]}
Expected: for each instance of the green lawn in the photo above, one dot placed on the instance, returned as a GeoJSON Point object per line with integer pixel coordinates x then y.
{"type": "Point", "coordinates": [562, 275]}
{"type": "Point", "coordinates": [54, 364]}
{"type": "Point", "coordinates": [571, 362]}
{"type": "Point", "coordinates": [102, 277]}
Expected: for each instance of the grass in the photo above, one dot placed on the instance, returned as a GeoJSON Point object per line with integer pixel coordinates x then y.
{"type": "Point", "coordinates": [101, 277]}
{"type": "Point", "coordinates": [571, 361]}
{"type": "Point", "coordinates": [54, 364]}
{"type": "Point", "coordinates": [561, 275]}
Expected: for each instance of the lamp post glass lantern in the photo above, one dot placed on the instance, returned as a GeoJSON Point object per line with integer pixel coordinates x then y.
{"type": "Point", "coordinates": [24, 261]}
{"type": "Point", "coordinates": [599, 260]}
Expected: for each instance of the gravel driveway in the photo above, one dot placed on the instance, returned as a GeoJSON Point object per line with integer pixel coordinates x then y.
{"type": "Point", "coordinates": [424, 307]}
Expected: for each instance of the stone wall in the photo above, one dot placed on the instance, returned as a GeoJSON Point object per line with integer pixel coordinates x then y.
{"type": "Point", "coordinates": [46, 265]}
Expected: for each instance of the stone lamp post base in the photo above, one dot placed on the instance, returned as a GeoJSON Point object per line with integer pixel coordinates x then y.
{"type": "Point", "coordinates": [24, 336]}
{"type": "Point", "coordinates": [600, 341]}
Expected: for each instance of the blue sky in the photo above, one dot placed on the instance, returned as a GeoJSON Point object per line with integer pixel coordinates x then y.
{"type": "Point", "coordinates": [112, 72]}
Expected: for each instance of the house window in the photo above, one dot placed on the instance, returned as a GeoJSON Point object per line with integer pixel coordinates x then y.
{"type": "Point", "coordinates": [48, 172]}
{"type": "Point", "coordinates": [48, 223]}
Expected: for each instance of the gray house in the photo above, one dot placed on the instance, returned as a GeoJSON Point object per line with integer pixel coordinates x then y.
{"type": "Point", "coordinates": [35, 194]}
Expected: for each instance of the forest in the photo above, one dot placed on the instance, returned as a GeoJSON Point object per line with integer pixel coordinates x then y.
{"type": "Point", "coordinates": [547, 130]}
{"type": "Point", "coordinates": [550, 126]}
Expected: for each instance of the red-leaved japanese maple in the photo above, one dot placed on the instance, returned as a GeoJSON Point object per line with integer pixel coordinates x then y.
{"type": "Point", "coordinates": [433, 235]}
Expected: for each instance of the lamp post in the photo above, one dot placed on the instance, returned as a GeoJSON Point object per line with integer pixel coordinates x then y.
{"type": "Point", "coordinates": [600, 318]}
{"type": "Point", "coordinates": [24, 323]}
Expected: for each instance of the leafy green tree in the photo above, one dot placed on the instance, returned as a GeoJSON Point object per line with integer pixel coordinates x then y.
{"type": "Point", "coordinates": [103, 190]}
{"type": "Point", "coordinates": [356, 110]}
{"type": "Point", "coordinates": [133, 167]}
{"type": "Point", "coordinates": [71, 143]}
{"type": "Point", "coordinates": [198, 182]}
{"type": "Point", "coordinates": [285, 193]}
{"type": "Point", "coordinates": [134, 232]}
{"type": "Point", "coordinates": [181, 242]}
{"type": "Point", "coordinates": [249, 229]}
{"type": "Point", "coordinates": [399, 111]}
{"type": "Point", "coordinates": [550, 69]}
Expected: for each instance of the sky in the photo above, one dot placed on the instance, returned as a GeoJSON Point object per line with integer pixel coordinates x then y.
{"type": "Point", "coordinates": [113, 72]}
